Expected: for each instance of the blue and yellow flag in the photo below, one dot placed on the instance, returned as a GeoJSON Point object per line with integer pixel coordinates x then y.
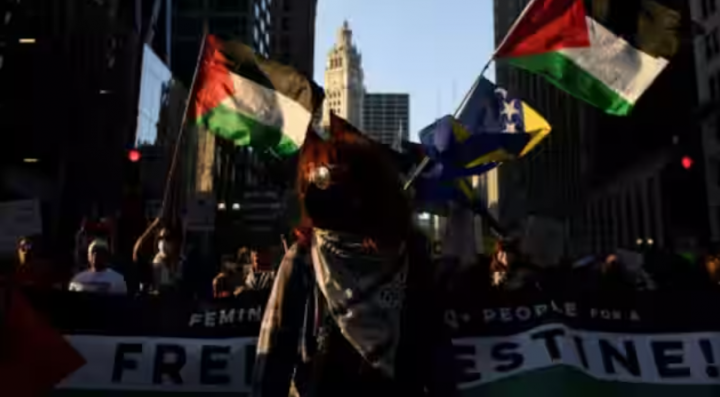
{"type": "Point", "coordinates": [491, 128]}
{"type": "Point", "coordinates": [490, 109]}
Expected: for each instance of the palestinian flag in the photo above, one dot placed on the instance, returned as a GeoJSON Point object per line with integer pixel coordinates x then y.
{"type": "Point", "coordinates": [252, 101]}
{"type": "Point", "coordinates": [588, 53]}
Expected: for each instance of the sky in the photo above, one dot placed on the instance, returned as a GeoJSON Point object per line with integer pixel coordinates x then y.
{"type": "Point", "coordinates": [431, 49]}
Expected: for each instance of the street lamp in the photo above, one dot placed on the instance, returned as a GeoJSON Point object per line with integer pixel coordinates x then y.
{"type": "Point", "coordinates": [221, 206]}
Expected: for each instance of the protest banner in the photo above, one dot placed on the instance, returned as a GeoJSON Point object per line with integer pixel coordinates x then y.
{"type": "Point", "coordinates": [646, 344]}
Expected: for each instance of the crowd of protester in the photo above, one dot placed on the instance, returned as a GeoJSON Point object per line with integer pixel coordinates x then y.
{"type": "Point", "coordinates": [356, 307]}
{"type": "Point", "coordinates": [508, 269]}
{"type": "Point", "coordinates": [164, 271]}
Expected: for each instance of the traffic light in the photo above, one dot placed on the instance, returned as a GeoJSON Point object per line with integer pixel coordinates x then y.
{"type": "Point", "coordinates": [132, 171]}
{"type": "Point", "coordinates": [687, 162]}
{"type": "Point", "coordinates": [134, 155]}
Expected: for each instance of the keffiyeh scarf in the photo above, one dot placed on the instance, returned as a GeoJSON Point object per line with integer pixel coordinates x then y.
{"type": "Point", "coordinates": [365, 292]}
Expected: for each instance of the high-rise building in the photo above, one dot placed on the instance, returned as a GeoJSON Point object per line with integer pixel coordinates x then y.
{"type": "Point", "coordinates": [614, 181]}
{"type": "Point", "coordinates": [707, 59]}
{"type": "Point", "coordinates": [246, 20]}
{"type": "Point", "coordinates": [292, 34]}
{"type": "Point", "coordinates": [344, 80]}
{"type": "Point", "coordinates": [73, 159]}
{"type": "Point", "coordinates": [548, 180]}
{"type": "Point", "coordinates": [248, 200]}
{"type": "Point", "coordinates": [386, 117]}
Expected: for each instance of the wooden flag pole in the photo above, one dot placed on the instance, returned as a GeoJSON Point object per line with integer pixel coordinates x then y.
{"type": "Point", "coordinates": [153, 227]}
{"type": "Point", "coordinates": [421, 167]}
{"type": "Point", "coordinates": [426, 160]}
{"type": "Point", "coordinates": [183, 123]}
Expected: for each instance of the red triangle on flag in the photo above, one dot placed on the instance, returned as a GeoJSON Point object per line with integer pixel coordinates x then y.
{"type": "Point", "coordinates": [34, 357]}
{"type": "Point", "coordinates": [213, 83]}
{"type": "Point", "coordinates": [545, 26]}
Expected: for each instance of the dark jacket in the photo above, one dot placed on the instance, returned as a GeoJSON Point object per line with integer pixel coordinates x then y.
{"type": "Point", "coordinates": [424, 355]}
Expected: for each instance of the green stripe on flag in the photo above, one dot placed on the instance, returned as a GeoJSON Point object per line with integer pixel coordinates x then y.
{"type": "Point", "coordinates": [569, 77]}
{"type": "Point", "coordinates": [244, 130]}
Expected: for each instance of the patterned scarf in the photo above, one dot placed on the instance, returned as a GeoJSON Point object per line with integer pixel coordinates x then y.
{"type": "Point", "coordinates": [364, 291]}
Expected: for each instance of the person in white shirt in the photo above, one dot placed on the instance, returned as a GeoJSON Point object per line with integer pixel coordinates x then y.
{"type": "Point", "coordinates": [99, 279]}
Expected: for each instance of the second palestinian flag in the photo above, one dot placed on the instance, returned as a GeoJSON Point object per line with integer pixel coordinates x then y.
{"type": "Point", "coordinates": [250, 100]}
{"type": "Point", "coordinates": [580, 53]}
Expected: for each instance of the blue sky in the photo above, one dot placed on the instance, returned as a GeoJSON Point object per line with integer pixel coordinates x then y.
{"type": "Point", "coordinates": [431, 49]}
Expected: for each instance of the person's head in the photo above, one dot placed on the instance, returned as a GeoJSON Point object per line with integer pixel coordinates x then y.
{"type": "Point", "coordinates": [712, 266]}
{"type": "Point", "coordinates": [167, 242]}
{"type": "Point", "coordinates": [260, 259]}
{"type": "Point", "coordinates": [507, 251]}
{"type": "Point", "coordinates": [24, 250]}
{"type": "Point", "coordinates": [612, 266]}
{"type": "Point", "coordinates": [349, 183]}
{"type": "Point", "coordinates": [98, 255]}
{"type": "Point", "coordinates": [243, 255]}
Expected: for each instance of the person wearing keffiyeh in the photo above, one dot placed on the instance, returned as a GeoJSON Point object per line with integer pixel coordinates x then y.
{"type": "Point", "coordinates": [353, 311]}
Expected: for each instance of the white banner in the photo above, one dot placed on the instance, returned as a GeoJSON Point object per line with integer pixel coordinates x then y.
{"type": "Point", "coordinates": [225, 365]}
{"type": "Point", "coordinates": [162, 364]}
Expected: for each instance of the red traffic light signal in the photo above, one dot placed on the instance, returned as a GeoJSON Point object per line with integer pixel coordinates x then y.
{"type": "Point", "coordinates": [134, 155]}
{"type": "Point", "coordinates": [687, 162]}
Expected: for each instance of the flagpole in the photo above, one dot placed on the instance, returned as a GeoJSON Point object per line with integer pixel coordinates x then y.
{"type": "Point", "coordinates": [494, 224]}
{"type": "Point", "coordinates": [420, 168]}
{"type": "Point", "coordinates": [183, 122]}
{"type": "Point", "coordinates": [426, 160]}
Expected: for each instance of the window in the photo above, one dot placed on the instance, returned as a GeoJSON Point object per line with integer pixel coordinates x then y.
{"type": "Point", "coordinates": [227, 5]}
{"type": "Point", "coordinates": [189, 27]}
{"type": "Point", "coordinates": [712, 48]}
{"type": "Point", "coordinates": [708, 7]}
{"type": "Point", "coordinates": [225, 26]}
{"type": "Point", "coordinates": [188, 5]}
{"type": "Point", "coordinates": [284, 44]}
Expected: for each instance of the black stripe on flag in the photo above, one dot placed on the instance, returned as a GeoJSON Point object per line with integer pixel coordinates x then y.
{"type": "Point", "coordinates": [273, 75]}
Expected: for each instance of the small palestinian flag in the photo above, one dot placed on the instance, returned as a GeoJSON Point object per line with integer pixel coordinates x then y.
{"type": "Point", "coordinates": [252, 101]}
{"type": "Point", "coordinates": [585, 52]}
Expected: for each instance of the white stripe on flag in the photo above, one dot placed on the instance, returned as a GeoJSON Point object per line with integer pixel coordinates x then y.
{"type": "Point", "coordinates": [269, 107]}
{"type": "Point", "coordinates": [615, 63]}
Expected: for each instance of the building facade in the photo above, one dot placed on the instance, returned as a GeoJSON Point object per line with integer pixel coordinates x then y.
{"type": "Point", "coordinates": [548, 180]}
{"type": "Point", "coordinates": [344, 80]}
{"type": "Point", "coordinates": [292, 34]}
{"type": "Point", "coordinates": [386, 118]}
{"type": "Point", "coordinates": [249, 196]}
{"type": "Point", "coordinates": [707, 59]}
{"type": "Point", "coordinates": [614, 181]}
{"type": "Point", "coordinates": [72, 159]}
{"type": "Point", "coordinates": [246, 20]}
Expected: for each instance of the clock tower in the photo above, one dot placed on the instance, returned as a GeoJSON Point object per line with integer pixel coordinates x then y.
{"type": "Point", "coordinates": [344, 87]}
